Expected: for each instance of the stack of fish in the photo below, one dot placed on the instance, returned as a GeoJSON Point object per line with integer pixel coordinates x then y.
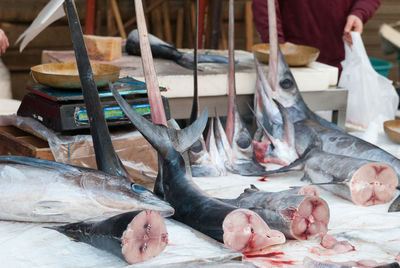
{"type": "Point", "coordinates": [288, 134]}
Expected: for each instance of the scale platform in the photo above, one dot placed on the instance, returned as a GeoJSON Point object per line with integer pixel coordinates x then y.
{"type": "Point", "coordinates": [65, 111]}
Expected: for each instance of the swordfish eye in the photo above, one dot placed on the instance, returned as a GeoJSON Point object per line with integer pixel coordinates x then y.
{"type": "Point", "coordinates": [138, 189]}
{"type": "Point", "coordinates": [244, 141]}
{"type": "Point", "coordinates": [286, 82]}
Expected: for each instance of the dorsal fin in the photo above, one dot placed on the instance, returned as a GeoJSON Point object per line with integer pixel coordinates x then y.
{"type": "Point", "coordinates": [106, 158]}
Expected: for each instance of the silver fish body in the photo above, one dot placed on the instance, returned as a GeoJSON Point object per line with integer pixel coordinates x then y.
{"type": "Point", "coordinates": [37, 190]}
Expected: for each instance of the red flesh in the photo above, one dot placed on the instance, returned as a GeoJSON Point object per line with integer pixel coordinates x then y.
{"type": "Point", "coordinates": [311, 218]}
{"type": "Point", "coordinates": [332, 247]}
{"type": "Point", "coordinates": [308, 190]}
{"type": "Point", "coordinates": [372, 184]}
{"type": "Point", "coordinates": [245, 231]}
{"type": "Point", "coordinates": [145, 237]}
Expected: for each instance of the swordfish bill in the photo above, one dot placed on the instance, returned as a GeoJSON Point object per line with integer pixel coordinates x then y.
{"type": "Point", "coordinates": [240, 229]}
{"type": "Point", "coordinates": [232, 106]}
{"type": "Point", "coordinates": [106, 158]}
{"type": "Point", "coordinates": [201, 163]}
{"type": "Point", "coordinates": [195, 107]}
{"type": "Point", "coordinates": [156, 105]}
{"type": "Point", "coordinates": [153, 92]}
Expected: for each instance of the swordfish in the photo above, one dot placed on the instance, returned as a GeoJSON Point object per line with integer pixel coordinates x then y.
{"type": "Point", "coordinates": [202, 162]}
{"type": "Point", "coordinates": [239, 229]}
{"type": "Point", "coordinates": [334, 139]}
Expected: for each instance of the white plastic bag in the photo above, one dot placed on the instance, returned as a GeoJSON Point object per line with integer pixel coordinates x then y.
{"type": "Point", "coordinates": [371, 95]}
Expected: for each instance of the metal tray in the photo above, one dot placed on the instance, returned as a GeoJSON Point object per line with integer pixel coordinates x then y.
{"type": "Point", "coordinates": [65, 74]}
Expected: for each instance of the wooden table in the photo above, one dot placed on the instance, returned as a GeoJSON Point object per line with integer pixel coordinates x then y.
{"type": "Point", "coordinates": [315, 82]}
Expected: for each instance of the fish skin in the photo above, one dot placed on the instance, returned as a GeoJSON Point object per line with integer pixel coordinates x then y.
{"type": "Point", "coordinates": [39, 190]}
{"type": "Point", "coordinates": [192, 206]}
{"type": "Point", "coordinates": [271, 206]}
{"type": "Point", "coordinates": [111, 234]}
{"type": "Point", "coordinates": [334, 139]}
{"type": "Point", "coordinates": [162, 49]}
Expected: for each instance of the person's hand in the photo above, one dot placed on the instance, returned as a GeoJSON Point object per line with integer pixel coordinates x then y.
{"type": "Point", "coordinates": [353, 23]}
{"type": "Point", "coordinates": [3, 42]}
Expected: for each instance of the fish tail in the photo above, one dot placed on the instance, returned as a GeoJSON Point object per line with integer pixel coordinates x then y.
{"type": "Point", "coordinates": [161, 137]}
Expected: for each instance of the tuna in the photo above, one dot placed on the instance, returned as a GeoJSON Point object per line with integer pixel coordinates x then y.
{"type": "Point", "coordinates": [37, 190]}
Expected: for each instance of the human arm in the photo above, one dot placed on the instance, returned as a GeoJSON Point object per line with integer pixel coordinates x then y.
{"type": "Point", "coordinates": [3, 42]}
{"type": "Point", "coordinates": [260, 14]}
{"type": "Point", "coordinates": [361, 11]}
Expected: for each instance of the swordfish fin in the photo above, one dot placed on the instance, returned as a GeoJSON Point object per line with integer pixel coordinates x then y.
{"type": "Point", "coordinates": [106, 158]}
{"type": "Point", "coordinates": [161, 137]}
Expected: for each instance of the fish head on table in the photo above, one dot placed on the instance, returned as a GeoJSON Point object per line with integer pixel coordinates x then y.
{"type": "Point", "coordinates": [204, 160]}
{"type": "Point", "coordinates": [46, 191]}
{"type": "Point", "coordinates": [276, 145]}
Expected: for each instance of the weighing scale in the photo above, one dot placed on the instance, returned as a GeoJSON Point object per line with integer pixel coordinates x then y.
{"type": "Point", "coordinates": [64, 110]}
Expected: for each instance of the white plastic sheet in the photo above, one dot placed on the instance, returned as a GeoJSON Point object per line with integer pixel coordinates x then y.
{"type": "Point", "coordinates": [371, 95]}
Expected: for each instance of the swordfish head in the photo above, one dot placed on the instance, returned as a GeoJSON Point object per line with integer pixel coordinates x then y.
{"type": "Point", "coordinates": [274, 140]}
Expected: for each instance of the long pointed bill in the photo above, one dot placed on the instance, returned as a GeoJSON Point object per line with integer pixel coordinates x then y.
{"type": "Point", "coordinates": [273, 45]}
{"type": "Point", "coordinates": [106, 158]}
{"type": "Point", "coordinates": [230, 120]}
{"type": "Point", "coordinates": [49, 14]}
{"type": "Point", "coordinates": [288, 127]}
{"type": "Point", "coordinates": [153, 91]}
{"type": "Point", "coordinates": [195, 108]}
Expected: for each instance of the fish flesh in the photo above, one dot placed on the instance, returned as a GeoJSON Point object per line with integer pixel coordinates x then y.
{"type": "Point", "coordinates": [298, 213]}
{"type": "Point", "coordinates": [37, 190]}
{"type": "Point", "coordinates": [239, 229]}
{"type": "Point", "coordinates": [134, 236]}
{"type": "Point", "coordinates": [164, 50]}
{"type": "Point", "coordinates": [361, 181]}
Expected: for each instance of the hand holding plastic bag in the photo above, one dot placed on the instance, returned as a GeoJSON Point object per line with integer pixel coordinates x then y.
{"type": "Point", "coordinates": [371, 95]}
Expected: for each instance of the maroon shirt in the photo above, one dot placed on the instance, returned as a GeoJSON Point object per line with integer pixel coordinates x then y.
{"type": "Point", "coordinates": [316, 23]}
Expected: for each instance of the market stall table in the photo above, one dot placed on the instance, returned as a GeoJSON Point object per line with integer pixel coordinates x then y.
{"type": "Point", "coordinates": [317, 82]}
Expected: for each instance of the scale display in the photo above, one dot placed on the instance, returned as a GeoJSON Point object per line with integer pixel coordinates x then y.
{"type": "Point", "coordinates": [113, 112]}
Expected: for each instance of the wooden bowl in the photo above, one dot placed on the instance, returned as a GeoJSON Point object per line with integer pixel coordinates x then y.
{"type": "Point", "coordinates": [65, 74]}
{"type": "Point", "coordinates": [295, 55]}
{"type": "Point", "coordinates": [392, 130]}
